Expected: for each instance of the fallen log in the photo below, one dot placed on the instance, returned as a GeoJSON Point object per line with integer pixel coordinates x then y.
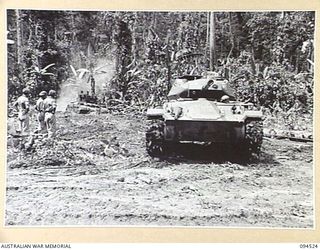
{"type": "Point", "coordinates": [302, 136]}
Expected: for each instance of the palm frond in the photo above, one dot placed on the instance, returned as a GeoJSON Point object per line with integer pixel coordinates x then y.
{"type": "Point", "coordinates": [47, 74]}
{"type": "Point", "coordinates": [83, 70]}
{"type": "Point", "coordinates": [48, 66]}
{"type": "Point", "coordinates": [73, 71]}
{"type": "Point", "coordinates": [82, 73]}
{"type": "Point", "coordinates": [96, 69]}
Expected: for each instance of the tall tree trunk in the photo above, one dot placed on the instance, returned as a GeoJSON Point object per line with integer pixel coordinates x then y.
{"type": "Point", "coordinates": [198, 31]}
{"type": "Point", "coordinates": [19, 40]}
{"type": "Point", "coordinates": [213, 56]}
{"type": "Point", "coordinates": [242, 35]}
{"type": "Point", "coordinates": [310, 56]}
{"type": "Point", "coordinates": [181, 37]}
{"type": "Point", "coordinates": [30, 27]}
{"type": "Point", "coordinates": [55, 31]}
{"type": "Point", "coordinates": [297, 62]}
{"type": "Point", "coordinates": [253, 62]}
{"type": "Point", "coordinates": [207, 36]}
{"type": "Point", "coordinates": [168, 60]}
{"type": "Point", "coordinates": [231, 36]}
{"type": "Point", "coordinates": [73, 27]}
{"type": "Point", "coordinates": [36, 35]}
{"type": "Point", "coordinates": [134, 38]}
{"type": "Point", "coordinates": [154, 21]}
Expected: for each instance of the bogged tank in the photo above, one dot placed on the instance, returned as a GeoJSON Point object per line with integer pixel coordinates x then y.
{"type": "Point", "coordinates": [204, 110]}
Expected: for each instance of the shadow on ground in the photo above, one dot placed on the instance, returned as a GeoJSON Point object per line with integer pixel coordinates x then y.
{"type": "Point", "coordinates": [216, 154]}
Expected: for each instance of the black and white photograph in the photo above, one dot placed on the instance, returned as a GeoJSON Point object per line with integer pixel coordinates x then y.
{"type": "Point", "coordinates": [160, 119]}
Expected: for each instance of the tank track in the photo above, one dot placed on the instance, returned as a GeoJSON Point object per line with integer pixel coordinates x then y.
{"type": "Point", "coordinates": [155, 138]}
{"type": "Point", "coordinates": [253, 136]}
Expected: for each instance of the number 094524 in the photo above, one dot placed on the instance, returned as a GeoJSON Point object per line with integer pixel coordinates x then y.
{"type": "Point", "coordinates": [308, 246]}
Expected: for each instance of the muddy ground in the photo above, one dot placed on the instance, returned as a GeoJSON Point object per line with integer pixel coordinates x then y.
{"type": "Point", "coordinates": [97, 172]}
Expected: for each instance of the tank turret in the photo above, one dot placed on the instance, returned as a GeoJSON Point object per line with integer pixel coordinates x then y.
{"type": "Point", "coordinates": [194, 87]}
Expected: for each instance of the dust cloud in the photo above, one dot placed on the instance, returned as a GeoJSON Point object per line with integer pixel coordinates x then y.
{"type": "Point", "coordinates": [68, 94]}
{"type": "Point", "coordinates": [70, 89]}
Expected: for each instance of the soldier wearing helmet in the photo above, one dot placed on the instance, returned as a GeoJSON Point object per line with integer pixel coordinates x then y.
{"type": "Point", "coordinates": [41, 112]}
{"type": "Point", "coordinates": [22, 105]}
{"type": "Point", "coordinates": [50, 106]}
{"type": "Point", "coordinates": [225, 99]}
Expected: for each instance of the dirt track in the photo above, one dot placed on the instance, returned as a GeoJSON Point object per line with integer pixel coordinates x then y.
{"type": "Point", "coordinates": [82, 181]}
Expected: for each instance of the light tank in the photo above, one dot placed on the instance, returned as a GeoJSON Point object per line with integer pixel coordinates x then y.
{"type": "Point", "coordinates": [204, 110]}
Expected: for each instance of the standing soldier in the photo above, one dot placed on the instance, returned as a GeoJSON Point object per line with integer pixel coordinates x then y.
{"type": "Point", "coordinates": [41, 112]}
{"type": "Point", "coordinates": [23, 107]}
{"type": "Point", "coordinates": [50, 109]}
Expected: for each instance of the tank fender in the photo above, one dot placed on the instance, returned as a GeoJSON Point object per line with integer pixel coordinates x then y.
{"type": "Point", "coordinates": [155, 113]}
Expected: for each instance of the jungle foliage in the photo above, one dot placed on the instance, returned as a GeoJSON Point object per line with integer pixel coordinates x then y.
{"type": "Point", "coordinates": [267, 56]}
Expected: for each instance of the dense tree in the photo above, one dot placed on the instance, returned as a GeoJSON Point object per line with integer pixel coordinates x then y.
{"type": "Point", "coordinates": [267, 56]}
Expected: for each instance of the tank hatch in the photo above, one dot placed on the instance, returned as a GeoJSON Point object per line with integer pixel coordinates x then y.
{"type": "Point", "coordinates": [212, 88]}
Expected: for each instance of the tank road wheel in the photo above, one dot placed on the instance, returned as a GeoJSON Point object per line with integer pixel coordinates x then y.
{"type": "Point", "coordinates": [155, 138]}
{"type": "Point", "coordinates": [253, 137]}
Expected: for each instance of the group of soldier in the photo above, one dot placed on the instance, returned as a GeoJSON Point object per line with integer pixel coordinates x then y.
{"type": "Point", "coordinates": [45, 108]}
